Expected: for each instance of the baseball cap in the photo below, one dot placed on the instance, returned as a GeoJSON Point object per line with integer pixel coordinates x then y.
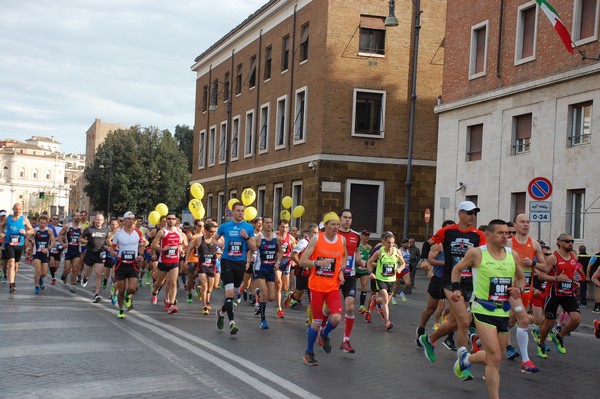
{"type": "Point", "coordinates": [468, 206]}
{"type": "Point", "coordinates": [404, 241]}
{"type": "Point", "coordinates": [365, 233]}
{"type": "Point", "coordinates": [2, 212]}
{"type": "Point", "coordinates": [330, 216]}
{"type": "Point", "coordinates": [128, 215]}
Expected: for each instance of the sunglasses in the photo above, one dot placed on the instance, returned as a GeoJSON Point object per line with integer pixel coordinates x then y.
{"type": "Point", "coordinates": [568, 241]}
{"type": "Point", "coordinates": [512, 232]}
{"type": "Point", "coordinates": [120, 220]}
{"type": "Point", "coordinates": [470, 213]}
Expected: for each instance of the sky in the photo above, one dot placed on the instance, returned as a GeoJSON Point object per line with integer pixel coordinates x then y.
{"type": "Point", "coordinates": [64, 63]}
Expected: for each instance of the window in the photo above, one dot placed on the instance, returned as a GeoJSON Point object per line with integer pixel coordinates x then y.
{"type": "Point", "coordinates": [202, 149]}
{"type": "Point", "coordinates": [48, 175]}
{"type": "Point", "coordinates": [300, 116]}
{"type": "Point", "coordinates": [235, 138]}
{"type": "Point", "coordinates": [204, 106]}
{"type": "Point", "coordinates": [35, 174]}
{"type": "Point", "coordinates": [304, 42]}
{"type": "Point", "coordinates": [21, 172]}
{"type": "Point", "coordinates": [365, 198]}
{"type": "Point", "coordinates": [5, 172]}
{"type": "Point", "coordinates": [249, 134]}
{"type": "Point", "coordinates": [478, 56]}
{"type": "Point", "coordinates": [580, 119]}
{"type": "Point", "coordinates": [238, 80]}
{"type": "Point", "coordinates": [223, 142]}
{"type": "Point", "coordinates": [263, 136]}
{"type": "Point", "coordinates": [252, 73]}
{"type": "Point", "coordinates": [517, 204]}
{"type": "Point", "coordinates": [368, 116]}
{"type": "Point", "coordinates": [576, 211]}
{"type": "Point", "coordinates": [526, 33]}
{"type": "Point", "coordinates": [209, 205]}
{"type": "Point", "coordinates": [214, 95]}
{"type": "Point", "coordinates": [281, 127]}
{"type": "Point", "coordinates": [212, 145]}
{"type": "Point", "coordinates": [277, 197]}
{"type": "Point", "coordinates": [260, 200]}
{"type": "Point", "coordinates": [585, 21]}
{"type": "Point", "coordinates": [232, 194]}
{"type": "Point", "coordinates": [297, 200]}
{"type": "Point", "coordinates": [372, 35]}
{"type": "Point", "coordinates": [474, 142]}
{"type": "Point", "coordinates": [220, 207]}
{"type": "Point", "coordinates": [285, 53]}
{"type": "Point", "coordinates": [226, 87]}
{"type": "Point", "coordinates": [522, 128]}
{"type": "Point", "coordinates": [268, 62]}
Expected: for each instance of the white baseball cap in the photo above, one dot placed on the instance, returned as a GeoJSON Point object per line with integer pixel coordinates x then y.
{"type": "Point", "coordinates": [128, 215]}
{"type": "Point", "coordinates": [468, 206]}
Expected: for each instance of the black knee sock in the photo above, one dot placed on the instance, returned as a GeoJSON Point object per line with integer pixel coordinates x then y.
{"type": "Point", "coordinates": [263, 308]}
{"type": "Point", "coordinates": [228, 307]}
{"type": "Point", "coordinates": [52, 272]}
{"type": "Point", "coordinates": [363, 296]}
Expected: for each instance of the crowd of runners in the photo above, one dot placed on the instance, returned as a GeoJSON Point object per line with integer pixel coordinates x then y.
{"type": "Point", "coordinates": [483, 281]}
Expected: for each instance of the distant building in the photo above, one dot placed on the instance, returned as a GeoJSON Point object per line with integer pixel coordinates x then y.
{"type": "Point", "coordinates": [516, 106]}
{"type": "Point", "coordinates": [317, 98]}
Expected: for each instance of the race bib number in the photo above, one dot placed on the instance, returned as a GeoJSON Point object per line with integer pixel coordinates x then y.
{"type": "Point", "coordinates": [499, 289]}
{"type": "Point", "coordinates": [565, 288]}
{"type": "Point", "coordinates": [388, 269]}
{"type": "Point", "coordinates": [527, 279]}
{"type": "Point", "coordinates": [41, 246]}
{"type": "Point", "coordinates": [349, 270]}
{"type": "Point", "coordinates": [172, 252]}
{"type": "Point", "coordinates": [102, 255]}
{"type": "Point", "coordinates": [234, 249]}
{"type": "Point", "coordinates": [466, 273]}
{"type": "Point", "coordinates": [74, 240]}
{"type": "Point", "coordinates": [15, 239]}
{"type": "Point", "coordinates": [326, 271]}
{"type": "Point", "coordinates": [128, 256]}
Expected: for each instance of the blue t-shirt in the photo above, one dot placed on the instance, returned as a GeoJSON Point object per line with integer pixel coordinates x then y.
{"type": "Point", "coordinates": [13, 231]}
{"type": "Point", "coordinates": [235, 246]}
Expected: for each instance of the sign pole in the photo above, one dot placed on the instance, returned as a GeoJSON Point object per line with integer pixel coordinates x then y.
{"type": "Point", "coordinates": [539, 231]}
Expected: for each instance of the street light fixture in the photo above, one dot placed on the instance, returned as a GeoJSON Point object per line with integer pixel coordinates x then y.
{"type": "Point", "coordinates": [391, 20]}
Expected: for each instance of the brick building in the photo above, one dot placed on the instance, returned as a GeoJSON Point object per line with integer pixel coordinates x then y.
{"type": "Point", "coordinates": [517, 105]}
{"type": "Point", "coordinates": [319, 95]}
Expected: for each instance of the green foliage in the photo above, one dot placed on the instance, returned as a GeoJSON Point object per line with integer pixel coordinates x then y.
{"type": "Point", "coordinates": [185, 138]}
{"type": "Point", "coordinates": [138, 168]}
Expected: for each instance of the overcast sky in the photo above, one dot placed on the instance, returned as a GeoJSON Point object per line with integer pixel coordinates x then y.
{"type": "Point", "coordinates": [64, 63]}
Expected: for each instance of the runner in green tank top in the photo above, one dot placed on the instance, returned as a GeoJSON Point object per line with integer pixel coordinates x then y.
{"type": "Point", "coordinates": [497, 276]}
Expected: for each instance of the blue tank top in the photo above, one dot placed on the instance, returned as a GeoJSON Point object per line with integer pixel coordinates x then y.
{"type": "Point", "coordinates": [267, 253]}
{"type": "Point", "coordinates": [13, 234]}
{"type": "Point", "coordinates": [41, 239]}
{"type": "Point", "coordinates": [235, 246]}
{"type": "Point", "coordinates": [438, 271]}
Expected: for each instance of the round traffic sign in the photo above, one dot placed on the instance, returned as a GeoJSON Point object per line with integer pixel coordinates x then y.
{"type": "Point", "coordinates": [540, 188]}
{"type": "Point", "coordinates": [427, 215]}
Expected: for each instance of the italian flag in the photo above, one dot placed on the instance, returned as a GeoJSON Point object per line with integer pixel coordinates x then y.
{"type": "Point", "coordinates": [557, 23]}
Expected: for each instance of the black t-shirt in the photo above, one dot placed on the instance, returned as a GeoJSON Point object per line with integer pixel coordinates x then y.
{"type": "Point", "coordinates": [95, 238]}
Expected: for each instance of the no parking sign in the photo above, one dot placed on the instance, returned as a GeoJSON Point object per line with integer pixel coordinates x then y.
{"type": "Point", "coordinates": [540, 188]}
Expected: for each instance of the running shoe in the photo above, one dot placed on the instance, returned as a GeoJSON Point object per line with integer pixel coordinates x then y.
{"type": "Point", "coordinates": [199, 292]}
{"type": "Point", "coordinates": [418, 333]}
{"type": "Point", "coordinates": [64, 278]}
{"type": "Point", "coordinates": [53, 282]}
{"type": "Point", "coordinates": [428, 348]}
{"type": "Point", "coordinates": [264, 325]}
{"type": "Point", "coordinates": [558, 342]}
{"type": "Point", "coordinates": [309, 359]}
{"type": "Point", "coordinates": [238, 297]}
{"type": "Point", "coordinates": [461, 368]}
{"type": "Point", "coordinates": [114, 299]}
{"type": "Point", "coordinates": [373, 303]}
{"type": "Point", "coordinates": [97, 298]}
{"type": "Point", "coordinates": [388, 325]}
{"type": "Point", "coordinates": [597, 328]}
{"type": "Point", "coordinates": [245, 295]}
{"type": "Point", "coordinates": [128, 302]}
{"type": "Point", "coordinates": [449, 344]}
{"type": "Point", "coordinates": [5, 280]}
{"type": "Point", "coordinates": [362, 309]}
{"type": "Point", "coordinates": [511, 353]}
{"type": "Point", "coordinates": [474, 340]}
{"type": "Point", "coordinates": [233, 328]}
{"type": "Point", "coordinates": [536, 335]}
{"type": "Point", "coordinates": [147, 278]}
{"type": "Point", "coordinates": [220, 320]}
{"type": "Point", "coordinates": [294, 303]}
{"type": "Point", "coordinates": [256, 309]}
{"type": "Point", "coordinates": [12, 290]}
{"type": "Point", "coordinates": [346, 347]}
{"type": "Point", "coordinates": [394, 301]}
{"type": "Point", "coordinates": [42, 283]}
{"type": "Point", "coordinates": [367, 316]}
{"type": "Point", "coordinates": [280, 313]}
{"type": "Point", "coordinates": [189, 297]}
{"type": "Point", "coordinates": [139, 283]}
{"type": "Point", "coordinates": [154, 299]}
{"type": "Point", "coordinates": [380, 311]}
{"type": "Point", "coordinates": [288, 300]}
{"type": "Point", "coordinates": [104, 283]}
{"type": "Point", "coordinates": [36, 290]}
{"type": "Point", "coordinates": [596, 310]}
{"type": "Point", "coordinates": [121, 314]}
{"type": "Point", "coordinates": [541, 351]}
{"type": "Point", "coordinates": [205, 310]}
{"type": "Point", "coordinates": [403, 297]}
{"type": "Point", "coordinates": [72, 289]}
{"type": "Point", "coordinates": [166, 305]}
{"type": "Point", "coordinates": [325, 342]}
{"type": "Point", "coordinates": [172, 309]}
{"type": "Point", "coordinates": [528, 367]}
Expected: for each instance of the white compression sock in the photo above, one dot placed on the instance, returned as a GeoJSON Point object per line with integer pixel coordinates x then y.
{"type": "Point", "coordinates": [523, 340]}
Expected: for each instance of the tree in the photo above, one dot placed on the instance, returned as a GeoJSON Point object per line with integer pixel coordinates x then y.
{"type": "Point", "coordinates": [135, 169]}
{"type": "Point", "coordinates": [185, 138]}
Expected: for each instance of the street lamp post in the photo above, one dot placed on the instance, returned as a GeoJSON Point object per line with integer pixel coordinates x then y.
{"type": "Point", "coordinates": [110, 184]}
{"type": "Point", "coordinates": [392, 21]}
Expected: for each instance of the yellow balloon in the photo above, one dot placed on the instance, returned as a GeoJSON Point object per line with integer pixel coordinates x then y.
{"type": "Point", "coordinates": [248, 196]}
{"type": "Point", "coordinates": [285, 215]}
{"type": "Point", "coordinates": [298, 211]}
{"type": "Point", "coordinates": [250, 213]}
{"type": "Point", "coordinates": [154, 218]}
{"type": "Point", "coordinates": [199, 213]}
{"type": "Point", "coordinates": [162, 209]}
{"type": "Point", "coordinates": [197, 191]}
{"type": "Point", "coordinates": [287, 202]}
{"type": "Point", "coordinates": [232, 202]}
{"type": "Point", "coordinates": [194, 205]}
